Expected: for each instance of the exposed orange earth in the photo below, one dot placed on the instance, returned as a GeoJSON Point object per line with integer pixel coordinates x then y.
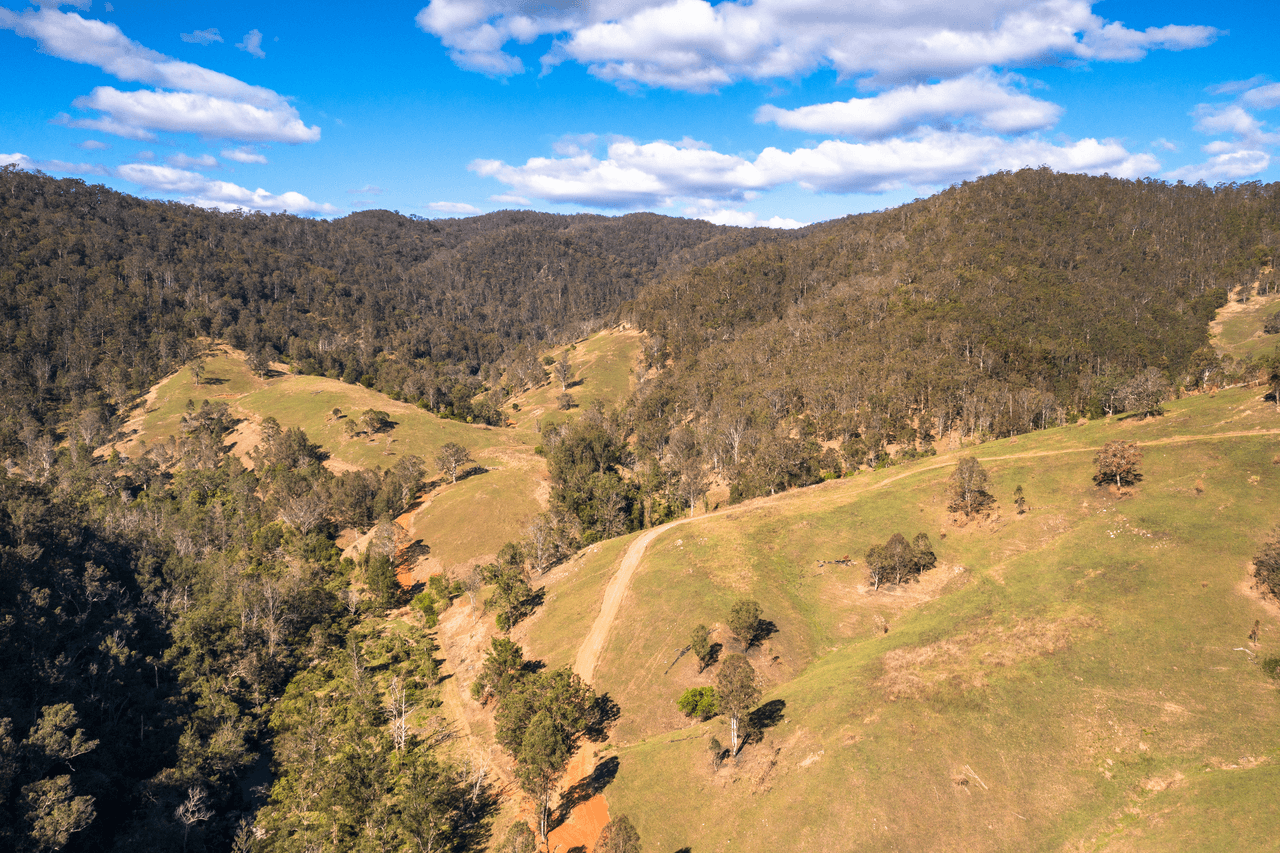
{"type": "Point", "coordinates": [588, 819]}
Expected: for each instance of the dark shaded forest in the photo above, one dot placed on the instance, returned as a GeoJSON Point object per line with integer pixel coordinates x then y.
{"type": "Point", "coordinates": [1011, 303]}
{"type": "Point", "coordinates": [104, 294]}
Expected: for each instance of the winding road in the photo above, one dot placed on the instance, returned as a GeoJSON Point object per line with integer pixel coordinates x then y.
{"type": "Point", "coordinates": [616, 590]}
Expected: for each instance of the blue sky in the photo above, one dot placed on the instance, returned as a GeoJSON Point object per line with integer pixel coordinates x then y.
{"type": "Point", "coordinates": [776, 112]}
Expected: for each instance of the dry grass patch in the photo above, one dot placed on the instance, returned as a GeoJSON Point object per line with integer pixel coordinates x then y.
{"type": "Point", "coordinates": [968, 660]}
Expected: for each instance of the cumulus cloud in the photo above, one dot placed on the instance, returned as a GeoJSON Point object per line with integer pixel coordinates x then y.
{"type": "Point", "coordinates": [1228, 166]}
{"type": "Point", "coordinates": [196, 112]}
{"type": "Point", "coordinates": [367, 189]}
{"type": "Point", "coordinates": [1246, 152]}
{"type": "Point", "coordinates": [252, 44]}
{"type": "Point", "coordinates": [243, 154]}
{"type": "Point", "coordinates": [457, 207]}
{"type": "Point", "coordinates": [694, 45]}
{"type": "Point", "coordinates": [508, 198]}
{"type": "Point", "coordinates": [208, 36]}
{"type": "Point", "coordinates": [195, 101]}
{"type": "Point", "coordinates": [1263, 97]}
{"type": "Point", "coordinates": [93, 145]}
{"type": "Point", "coordinates": [184, 161]}
{"type": "Point", "coordinates": [57, 167]}
{"type": "Point", "coordinates": [634, 175]}
{"type": "Point", "coordinates": [740, 218]}
{"type": "Point", "coordinates": [980, 100]}
{"type": "Point", "coordinates": [197, 189]}
{"type": "Point", "coordinates": [1214, 119]}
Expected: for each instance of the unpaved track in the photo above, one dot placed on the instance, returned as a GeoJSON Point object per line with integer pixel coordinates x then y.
{"type": "Point", "coordinates": [616, 590]}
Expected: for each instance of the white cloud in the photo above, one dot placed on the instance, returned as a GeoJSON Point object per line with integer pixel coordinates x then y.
{"type": "Point", "coordinates": [1232, 87]}
{"type": "Point", "coordinates": [367, 189]}
{"type": "Point", "coordinates": [508, 198]}
{"type": "Point", "coordinates": [659, 174]}
{"type": "Point", "coordinates": [209, 95]}
{"type": "Point", "coordinates": [1116, 42]}
{"type": "Point", "coordinates": [104, 125]}
{"type": "Point", "coordinates": [977, 100]}
{"type": "Point", "coordinates": [183, 161]}
{"type": "Point", "coordinates": [1246, 152]}
{"type": "Point", "coordinates": [208, 36]}
{"type": "Point", "coordinates": [252, 44]}
{"type": "Point", "coordinates": [458, 207]}
{"type": "Point", "coordinates": [740, 218]}
{"type": "Point", "coordinates": [1233, 119]}
{"type": "Point", "coordinates": [694, 45]}
{"type": "Point", "coordinates": [243, 154]}
{"type": "Point", "coordinates": [58, 167]}
{"type": "Point", "coordinates": [1164, 144]}
{"type": "Point", "coordinates": [1263, 97]}
{"type": "Point", "coordinates": [222, 195]}
{"type": "Point", "coordinates": [195, 112]}
{"type": "Point", "coordinates": [22, 161]}
{"type": "Point", "coordinates": [93, 145]}
{"type": "Point", "coordinates": [1224, 167]}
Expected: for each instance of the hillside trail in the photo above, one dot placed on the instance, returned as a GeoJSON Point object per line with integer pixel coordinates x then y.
{"type": "Point", "coordinates": [616, 590]}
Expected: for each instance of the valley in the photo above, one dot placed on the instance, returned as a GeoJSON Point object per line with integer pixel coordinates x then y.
{"type": "Point", "coordinates": [242, 577]}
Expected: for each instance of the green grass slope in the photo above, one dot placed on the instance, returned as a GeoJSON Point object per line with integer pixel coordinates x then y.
{"type": "Point", "coordinates": [1076, 678]}
{"type": "Point", "coordinates": [1237, 328]}
{"type": "Point", "coordinates": [602, 367]}
{"type": "Point", "coordinates": [461, 522]}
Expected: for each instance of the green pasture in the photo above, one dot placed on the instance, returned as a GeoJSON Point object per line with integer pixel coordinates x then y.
{"type": "Point", "coordinates": [1065, 681]}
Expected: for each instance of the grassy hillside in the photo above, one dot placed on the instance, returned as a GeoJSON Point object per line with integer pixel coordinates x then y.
{"type": "Point", "coordinates": [1237, 328]}
{"type": "Point", "coordinates": [461, 522]}
{"type": "Point", "coordinates": [1072, 678]}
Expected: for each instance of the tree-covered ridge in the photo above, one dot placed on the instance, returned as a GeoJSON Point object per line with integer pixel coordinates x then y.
{"type": "Point", "coordinates": [1001, 305]}
{"type": "Point", "coordinates": [101, 294]}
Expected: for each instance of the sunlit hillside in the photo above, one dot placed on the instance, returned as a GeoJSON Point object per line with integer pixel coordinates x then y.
{"type": "Point", "coordinates": [1076, 677]}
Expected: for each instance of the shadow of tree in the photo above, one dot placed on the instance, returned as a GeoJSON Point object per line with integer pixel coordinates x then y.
{"type": "Point", "coordinates": [765, 628]}
{"type": "Point", "coordinates": [607, 713]}
{"type": "Point", "coordinates": [713, 656]}
{"type": "Point", "coordinates": [414, 551]}
{"type": "Point", "coordinates": [475, 828]}
{"type": "Point", "coordinates": [473, 471]}
{"type": "Point", "coordinates": [586, 788]}
{"type": "Point", "coordinates": [765, 717]}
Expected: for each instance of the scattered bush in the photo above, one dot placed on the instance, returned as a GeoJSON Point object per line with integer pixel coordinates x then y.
{"type": "Point", "coordinates": [899, 560]}
{"type": "Point", "coordinates": [1266, 564]}
{"type": "Point", "coordinates": [700, 702]}
{"type": "Point", "coordinates": [1271, 325]}
{"type": "Point", "coordinates": [967, 487]}
{"type": "Point", "coordinates": [1117, 462]}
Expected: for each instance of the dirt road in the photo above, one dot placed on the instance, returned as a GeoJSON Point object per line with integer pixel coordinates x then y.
{"type": "Point", "coordinates": [616, 590]}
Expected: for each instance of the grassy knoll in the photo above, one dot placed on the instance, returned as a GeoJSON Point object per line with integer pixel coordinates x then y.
{"type": "Point", "coordinates": [1066, 679]}
{"type": "Point", "coordinates": [574, 590]}
{"type": "Point", "coordinates": [471, 520]}
{"type": "Point", "coordinates": [602, 369]}
{"type": "Point", "coordinates": [460, 523]}
{"type": "Point", "coordinates": [1237, 329]}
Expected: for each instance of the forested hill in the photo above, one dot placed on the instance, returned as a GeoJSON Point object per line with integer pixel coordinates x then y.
{"type": "Point", "coordinates": [1004, 304]}
{"type": "Point", "coordinates": [104, 293]}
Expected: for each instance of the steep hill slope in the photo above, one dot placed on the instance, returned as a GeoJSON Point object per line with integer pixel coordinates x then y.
{"type": "Point", "coordinates": [1003, 305]}
{"type": "Point", "coordinates": [103, 294]}
{"type": "Point", "coordinates": [461, 523]}
{"type": "Point", "coordinates": [1078, 677]}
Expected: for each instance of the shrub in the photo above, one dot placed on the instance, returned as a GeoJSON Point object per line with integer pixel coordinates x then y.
{"type": "Point", "coordinates": [700, 702]}
{"type": "Point", "coordinates": [899, 560]}
{"type": "Point", "coordinates": [1266, 564]}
